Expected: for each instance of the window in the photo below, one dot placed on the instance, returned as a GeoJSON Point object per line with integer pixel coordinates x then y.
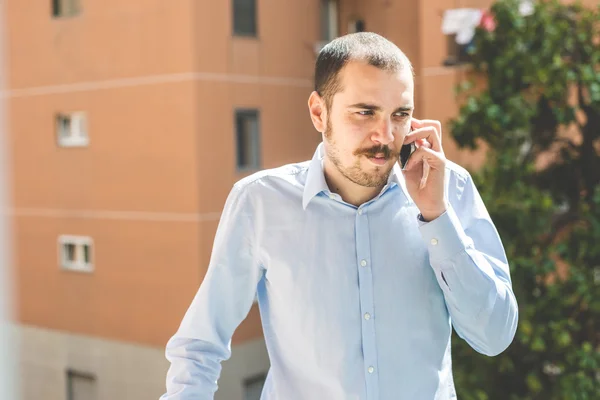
{"type": "Point", "coordinates": [65, 8]}
{"type": "Point", "coordinates": [457, 54]}
{"type": "Point", "coordinates": [244, 17]}
{"type": "Point", "coordinates": [329, 23]}
{"type": "Point", "coordinates": [75, 253]}
{"type": "Point", "coordinates": [459, 26]}
{"type": "Point", "coordinates": [329, 20]}
{"type": "Point", "coordinates": [253, 387]}
{"type": "Point", "coordinates": [247, 139]}
{"type": "Point", "coordinates": [71, 130]}
{"type": "Point", "coordinates": [81, 386]}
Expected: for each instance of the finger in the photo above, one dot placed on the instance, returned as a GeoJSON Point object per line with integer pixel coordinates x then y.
{"type": "Point", "coordinates": [423, 142]}
{"type": "Point", "coordinates": [428, 133]}
{"type": "Point", "coordinates": [426, 169]}
{"type": "Point", "coordinates": [422, 123]}
{"type": "Point", "coordinates": [416, 123]}
{"type": "Point", "coordinates": [435, 159]}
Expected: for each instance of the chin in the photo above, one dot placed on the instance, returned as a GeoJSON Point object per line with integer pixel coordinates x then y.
{"type": "Point", "coordinates": [378, 174]}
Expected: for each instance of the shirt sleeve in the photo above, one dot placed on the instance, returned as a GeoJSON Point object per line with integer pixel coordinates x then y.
{"type": "Point", "coordinates": [222, 302]}
{"type": "Point", "coordinates": [470, 264]}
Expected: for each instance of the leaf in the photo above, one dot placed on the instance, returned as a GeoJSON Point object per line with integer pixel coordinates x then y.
{"type": "Point", "coordinates": [544, 201]}
{"type": "Point", "coordinates": [538, 344]}
{"type": "Point", "coordinates": [534, 383]}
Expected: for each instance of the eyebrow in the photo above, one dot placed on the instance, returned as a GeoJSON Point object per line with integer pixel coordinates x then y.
{"type": "Point", "coordinates": [374, 107]}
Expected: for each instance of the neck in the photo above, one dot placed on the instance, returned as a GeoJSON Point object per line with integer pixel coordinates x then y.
{"type": "Point", "coordinates": [350, 192]}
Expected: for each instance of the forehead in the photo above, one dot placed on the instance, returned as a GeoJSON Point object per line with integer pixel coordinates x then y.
{"type": "Point", "coordinates": [361, 82]}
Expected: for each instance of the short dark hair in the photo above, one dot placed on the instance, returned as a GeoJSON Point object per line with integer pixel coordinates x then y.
{"type": "Point", "coordinates": [362, 46]}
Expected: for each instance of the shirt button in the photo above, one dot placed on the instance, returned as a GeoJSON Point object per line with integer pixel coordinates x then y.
{"type": "Point", "coordinates": [434, 241]}
{"type": "Point", "coordinates": [331, 196]}
{"type": "Point", "coordinates": [359, 212]}
{"type": "Point", "coordinates": [363, 263]}
{"type": "Point", "coordinates": [371, 370]}
{"type": "Point", "coordinates": [367, 316]}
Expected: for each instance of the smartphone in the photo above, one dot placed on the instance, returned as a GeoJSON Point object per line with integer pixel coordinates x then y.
{"type": "Point", "coordinates": [405, 153]}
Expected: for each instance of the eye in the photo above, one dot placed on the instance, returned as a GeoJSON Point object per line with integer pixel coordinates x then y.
{"type": "Point", "coordinates": [366, 112]}
{"type": "Point", "coordinates": [401, 114]}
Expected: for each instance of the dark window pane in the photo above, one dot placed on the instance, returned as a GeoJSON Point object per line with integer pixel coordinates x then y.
{"type": "Point", "coordinates": [244, 17]}
{"type": "Point", "coordinates": [325, 21]}
{"type": "Point", "coordinates": [81, 386]}
{"type": "Point", "coordinates": [247, 139]}
{"type": "Point", "coordinates": [253, 387]}
{"type": "Point", "coordinates": [329, 20]}
{"type": "Point", "coordinates": [64, 126]}
{"type": "Point", "coordinates": [360, 26]}
{"type": "Point", "coordinates": [457, 54]}
{"type": "Point", "coordinates": [86, 253]}
{"type": "Point", "coordinates": [70, 254]}
{"type": "Point", "coordinates": [65, 8]}
{"type": "Point", "coordinates": [56, 8]}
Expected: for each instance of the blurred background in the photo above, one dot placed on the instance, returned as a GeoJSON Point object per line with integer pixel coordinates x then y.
{"type": "Point", "coordinates": [124, 125]}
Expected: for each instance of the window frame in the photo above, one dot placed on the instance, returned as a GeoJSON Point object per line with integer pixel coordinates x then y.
{"type": "Point", "coordinates": [78, 129]}
{"type": "Point", "coordinates": [72, 373]}
{"type": "Point", "coordinates": [79, 264]}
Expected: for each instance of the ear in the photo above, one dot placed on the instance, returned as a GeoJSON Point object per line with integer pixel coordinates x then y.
{"type": "Point", "coordinates": [318, 111]}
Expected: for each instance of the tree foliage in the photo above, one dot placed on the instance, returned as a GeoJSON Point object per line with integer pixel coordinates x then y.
{"type": "Point", "coordinates": [539, 114]}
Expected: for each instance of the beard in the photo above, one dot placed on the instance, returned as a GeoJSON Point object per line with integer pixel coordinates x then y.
{"type": "Point", "coordinates": [374, 177]}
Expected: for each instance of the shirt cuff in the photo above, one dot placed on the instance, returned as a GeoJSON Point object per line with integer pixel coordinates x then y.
{"type": "Point", "coordinates": [444, 236]}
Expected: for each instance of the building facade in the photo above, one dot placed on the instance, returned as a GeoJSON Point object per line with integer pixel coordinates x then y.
{"type": "Point", "coordinates": [129, 122]}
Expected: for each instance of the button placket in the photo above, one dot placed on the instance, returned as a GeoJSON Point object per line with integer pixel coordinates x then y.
{"type": "Point", "coordinates": [365, 282]}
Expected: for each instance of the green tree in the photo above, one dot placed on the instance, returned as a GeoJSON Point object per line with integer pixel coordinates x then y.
{"type": "Point", "coordinates": [539, 115]}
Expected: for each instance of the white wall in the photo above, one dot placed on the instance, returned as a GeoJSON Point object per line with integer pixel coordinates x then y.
{"type": "Point", "coordinates": [123, 370]}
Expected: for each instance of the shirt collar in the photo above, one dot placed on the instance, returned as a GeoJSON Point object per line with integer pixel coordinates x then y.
{"type": "Point", "coordinates": [315, 180]}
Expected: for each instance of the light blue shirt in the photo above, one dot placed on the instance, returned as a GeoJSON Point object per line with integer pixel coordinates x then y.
{"type": "Point", "coordinates": [357, 303]}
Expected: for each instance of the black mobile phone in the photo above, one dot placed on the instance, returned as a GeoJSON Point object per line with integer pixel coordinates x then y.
{"type": "Point", "coordinates": [405, 153]}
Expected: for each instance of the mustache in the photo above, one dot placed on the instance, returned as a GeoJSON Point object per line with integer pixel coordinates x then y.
{"type": "Point", "coordinates": [373, 151]}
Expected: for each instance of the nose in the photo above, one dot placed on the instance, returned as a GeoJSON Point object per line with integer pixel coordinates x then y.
{"type": "Point", "coordinates": [384, 132]}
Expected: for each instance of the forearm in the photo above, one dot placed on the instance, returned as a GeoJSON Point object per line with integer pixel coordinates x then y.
{"type": "Point", "coordinates": [223, 300]}
{"type": "Point", "coordinates": [475, 283]}
{"type": "Point", "coordinates": [203, 339]}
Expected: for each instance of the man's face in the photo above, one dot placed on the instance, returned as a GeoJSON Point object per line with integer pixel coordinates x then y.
{"type": "Point", "coordinates": [367, 122]}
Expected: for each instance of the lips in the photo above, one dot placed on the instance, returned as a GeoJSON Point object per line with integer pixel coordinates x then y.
{"type": "Point", "coordinates": [378, 159]}
{"type": "Point", "coordinates": [378, 155]}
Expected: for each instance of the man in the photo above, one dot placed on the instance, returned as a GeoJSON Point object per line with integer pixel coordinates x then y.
{"type": "Point", "coordinates": [361, 269]}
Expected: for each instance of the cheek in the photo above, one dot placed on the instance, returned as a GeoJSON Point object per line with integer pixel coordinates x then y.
{"type": "Point", "coordinates": [399, 139]}
{"type": "Point", "coordinates": [358, 131]}
{"type": "Point", "coordinates": [347, 132]}
{"type": "Point", "coordinates": [360, 124]}
{"type": "Point", "coordinates": [400, 133]}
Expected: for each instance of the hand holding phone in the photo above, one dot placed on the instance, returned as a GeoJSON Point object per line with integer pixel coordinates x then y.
{"type": "Point", "coordinates": [425, 167]}
{"type": "Point", "coordinates": [405, 152]}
